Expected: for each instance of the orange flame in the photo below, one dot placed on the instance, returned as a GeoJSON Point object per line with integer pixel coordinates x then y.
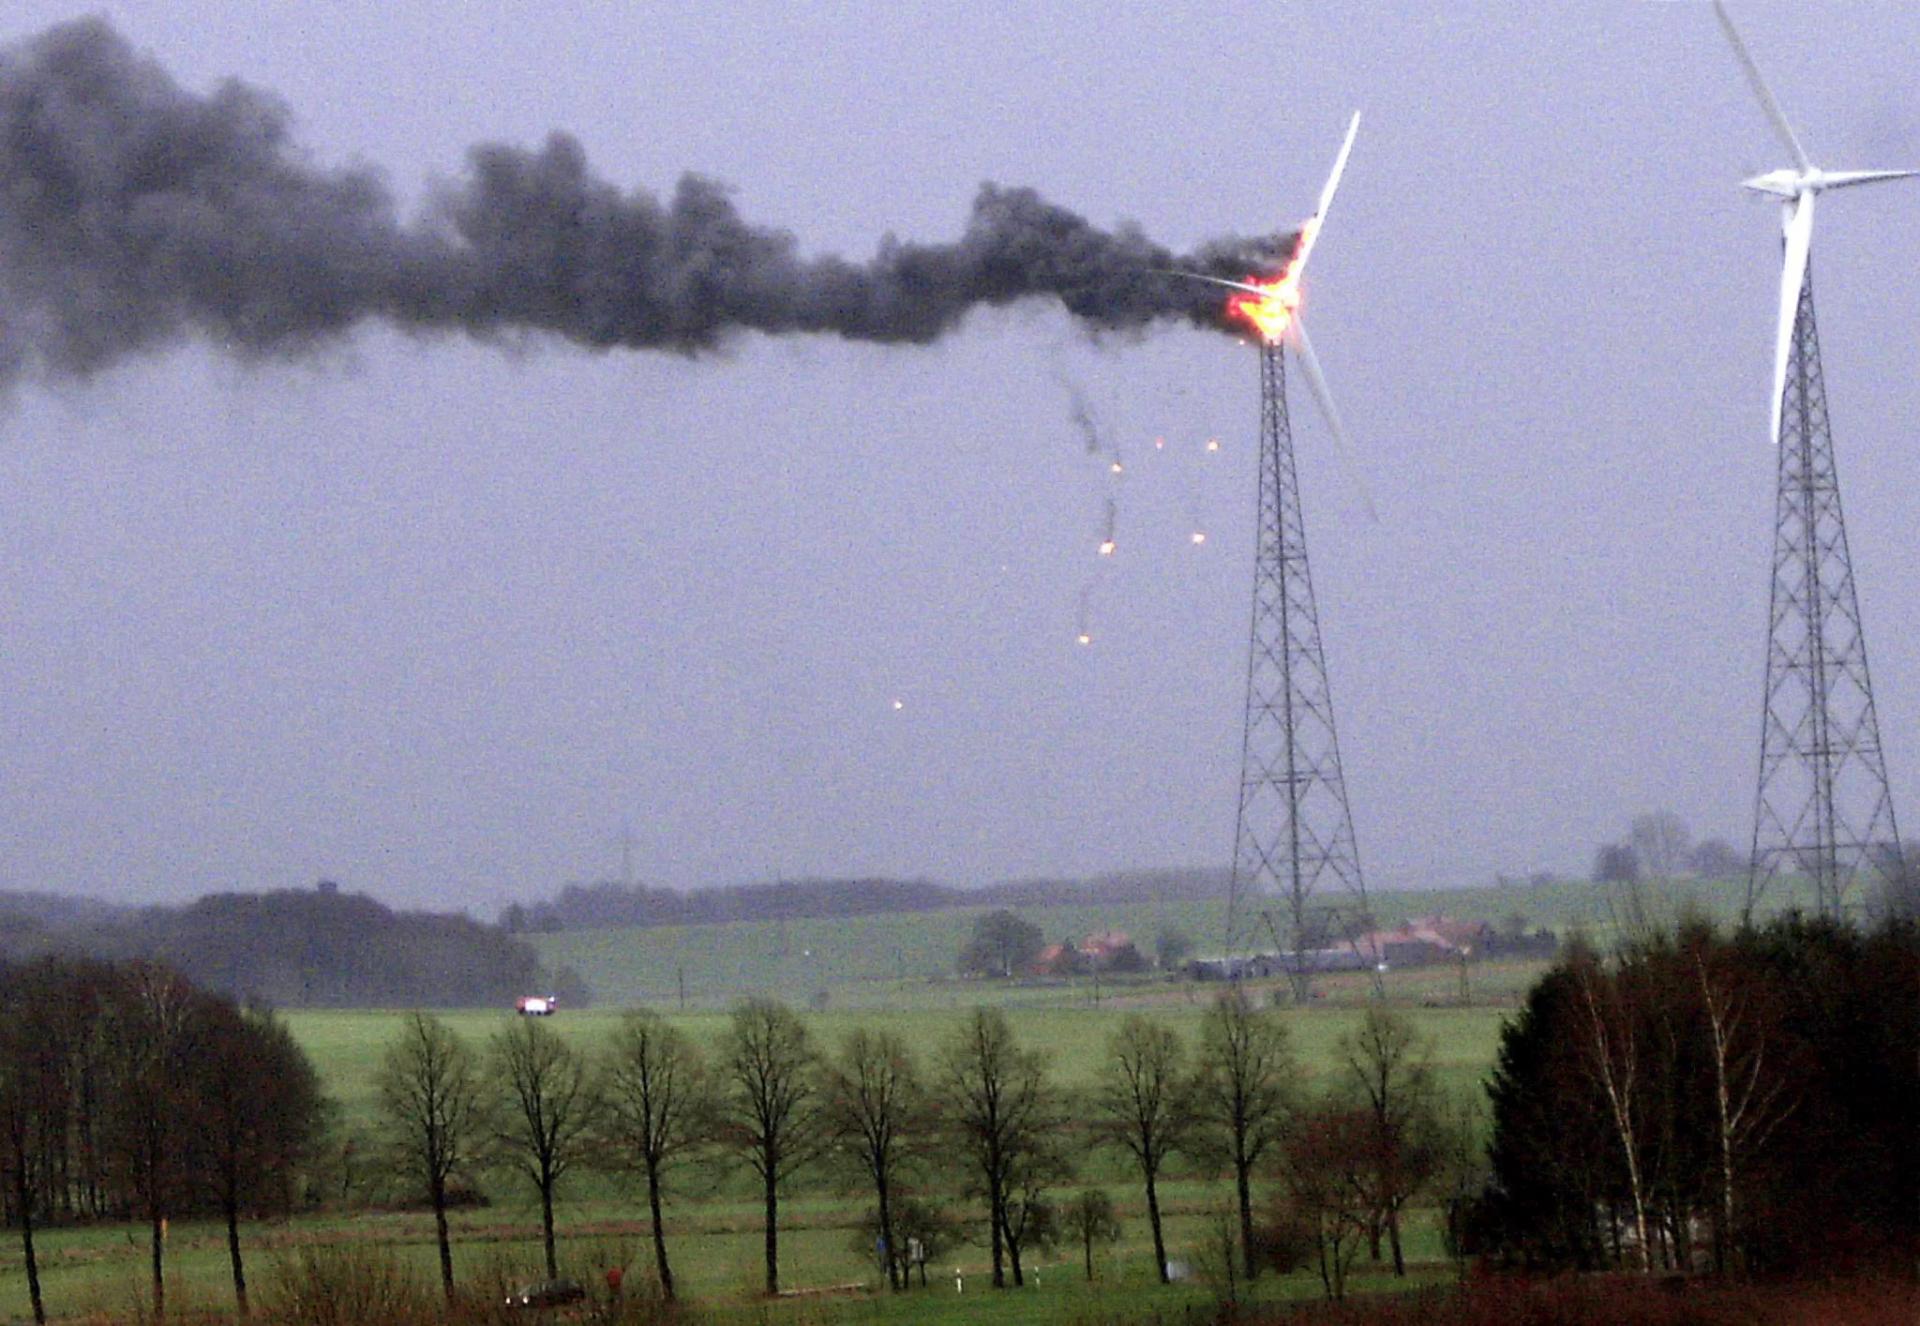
{"type": "Point", "coordinates": [1271, 312]}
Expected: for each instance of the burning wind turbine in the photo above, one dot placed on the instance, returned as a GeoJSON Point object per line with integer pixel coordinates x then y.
{"type": "Point", "coordinates": [1272, 306]}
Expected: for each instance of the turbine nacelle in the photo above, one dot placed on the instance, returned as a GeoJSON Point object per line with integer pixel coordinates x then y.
{"type": "Point", "coordinates": [1788, 184]}
{"type": "Point", "coordinates": [1785, 184]}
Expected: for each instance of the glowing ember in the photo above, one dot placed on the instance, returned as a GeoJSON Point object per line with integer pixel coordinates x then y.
{"type": "Point", "coordinates": [1085, 639]}
{"type": "Point", "coordinates": [899, 704]}
{"type": "Point", "coordinates": [1117, 468]}
{"type": "Point", "coordinates": [1199, 536]}
{"type": "Point", "coordinates": [1213, 444]}
{"type": "Point", "coordinates": [1271, 312]}
{"type": "Point", "coordinates": [1106, 547]}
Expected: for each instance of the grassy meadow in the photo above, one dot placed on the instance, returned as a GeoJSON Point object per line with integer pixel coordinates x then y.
{"type": "Point", "coordinates": [906, 960]}
{"type": "Point", "coordinates": [714, 1225]}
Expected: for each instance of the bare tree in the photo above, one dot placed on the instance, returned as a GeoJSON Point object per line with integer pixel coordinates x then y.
{"type": "Point", "coordinates": [1461, 1172]}
{"type": "Point", "coordinates": [262, 1111]}
{"type": "Point", "coordinates": [433, 1110]}
{"type": "Point", "coordinates": [1661, 846]}
{"type": "Point", "coordinates": [1142, 1099]}
{"type": "Point", "coordinates": [1090, 1220]}
{"type": "Point", "coordinates": [1242, 1095]}
{"type": "Point", "coordinates": [658, 1108]}
{"type": "Point", "coordinates": [1000, 1107]}
{"type": "Point", "coordinates": [873, 1101]}
{"type": "Point", "coordinates": [551, 1106]}
{"type": "Point", "coordinates": [1755, 1089]}
{"type": "Point", "coordinates": [1032, 1221]}
{"type": "Point", "coordinates": [1662, 843]}
{"type": "Point", "coordinates": [1324, 1162]}
{"type": "Point", "coordinates": [154, 1027]}
{"type": "Point", "coordinates": [1611, 1053]}
{"type": "Point", "coordinates": [926, 1230]}
{"type": "Point", "coordinates": [32, 1102]}
{"type": "Point", "coordinates": [1390, 1067]}
{"type": "Point", "coordinates": [771, 1112]}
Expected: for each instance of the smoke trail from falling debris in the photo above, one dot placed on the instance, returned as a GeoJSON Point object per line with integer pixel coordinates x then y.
{"type": "Point", "coordinates": [135, 214]}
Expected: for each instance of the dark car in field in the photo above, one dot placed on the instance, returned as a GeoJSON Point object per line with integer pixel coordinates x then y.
{"type": "Point", "coordinates": [548, 1294]}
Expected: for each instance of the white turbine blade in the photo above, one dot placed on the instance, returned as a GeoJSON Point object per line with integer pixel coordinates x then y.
{"type": "Point", "coordinates": [1317, 383]}
{"type": "Point", "coordinates": [1220, 280]}
{"type": "Point", "coordinates": [1841, 179]}
{"type": "Point", "coordinates": [1793, 274]}
{"type": "Point", "coordinates": [1760, 89]}
{"type": "Point", "coordinates": [1339, 168]}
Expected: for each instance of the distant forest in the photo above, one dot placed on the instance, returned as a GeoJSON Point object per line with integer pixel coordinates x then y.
{"type": "Point", "coordinates": [293, 948]}
{"type": "Point", "coordinates": [599, 906]}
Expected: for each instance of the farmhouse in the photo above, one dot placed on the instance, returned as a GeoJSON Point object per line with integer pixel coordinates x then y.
{"type": "Point", "coordinates": [1104, 950]}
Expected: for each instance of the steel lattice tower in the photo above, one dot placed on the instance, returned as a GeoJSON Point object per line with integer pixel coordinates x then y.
{"type": "Point", "coordinates": [1293, 831]}
{"type": "Point", "coordinates": [1822, 809]}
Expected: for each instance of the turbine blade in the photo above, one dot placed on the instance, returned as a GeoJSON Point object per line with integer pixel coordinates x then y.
{"type": "Point", "coordinates": [1793, 274]}
{"type": "Point", "coordinates": [1216, 280]}
{"type": "Point", "coordinates": [1760, 89]}
{"type": "Point", "coordinates": [1841, 179]}
{"type": "Point", "coordinates": [1317, 384]}
{"type": "Point", "coordinates": [1339, 168]}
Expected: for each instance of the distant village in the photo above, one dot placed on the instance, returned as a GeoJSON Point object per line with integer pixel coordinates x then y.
{"type": "Point", "coordinates": [1426, 941]}
{"type": "Point", "coordinates": [1421, 942]}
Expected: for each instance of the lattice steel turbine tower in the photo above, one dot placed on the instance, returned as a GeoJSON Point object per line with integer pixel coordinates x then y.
{"type": "Point", "coordinates": [1293, 830]}
{"type": "Point", "coordinates": [1823, 809]}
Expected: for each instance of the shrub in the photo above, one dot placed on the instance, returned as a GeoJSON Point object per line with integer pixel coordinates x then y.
{"type": "Point", "coordinates": [344, 1286]}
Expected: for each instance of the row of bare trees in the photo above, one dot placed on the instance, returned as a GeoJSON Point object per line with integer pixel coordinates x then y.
{"type": "Point", "coordinates": [128, 1093]}
{"type": "Point", "coordinates": [1744, 1103]}
{"type": "Point", "coordinates": [982, 1113]}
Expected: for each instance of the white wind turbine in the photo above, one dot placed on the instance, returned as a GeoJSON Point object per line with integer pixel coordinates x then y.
{"type": "Point", "coordinates": [1796, 186]}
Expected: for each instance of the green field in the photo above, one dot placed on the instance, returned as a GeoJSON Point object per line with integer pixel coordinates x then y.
{"type": "Point", "coordinates": [346, 1046]}
{"type": "Point", "coordinates": [885, 971]}
{"type": "Point", "coordinates": [715, 1224]}
{"type": "Point", "coordinates": [907, 959]}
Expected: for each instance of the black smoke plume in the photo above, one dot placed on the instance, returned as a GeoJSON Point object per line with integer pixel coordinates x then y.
{"type": "Point", "coordinates": [135, 214]}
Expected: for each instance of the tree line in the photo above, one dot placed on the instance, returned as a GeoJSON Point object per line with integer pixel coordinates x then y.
{"type": "Point", "coordinates": [1314, 1177]}
{"type": "Point", "coordinates": [302, 948]}
{"type": "Point", "coordinates": [1744, 1103]}
{"type": "Point", "coordinates": [128, 1093]}
{"type": "Point", "coordinates": [607, 904]}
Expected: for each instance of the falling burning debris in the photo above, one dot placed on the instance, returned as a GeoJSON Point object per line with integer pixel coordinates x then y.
{"type": "Point", "coordinates": [1107, 531]}
{"type": "Point", "coordinates": [135, 214]}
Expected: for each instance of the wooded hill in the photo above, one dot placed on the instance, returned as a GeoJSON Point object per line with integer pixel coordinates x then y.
{"type": "Point", "coordinates": [291, 948]}
{"type": "Point", "coordinates": [604, 906]}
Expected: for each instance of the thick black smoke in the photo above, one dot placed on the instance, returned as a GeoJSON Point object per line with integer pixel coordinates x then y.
{"type": "Point", "coordinates": [134, 214]}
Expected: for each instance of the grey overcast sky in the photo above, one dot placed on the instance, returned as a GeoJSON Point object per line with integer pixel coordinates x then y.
{"type": "Point", "coordinates": [432, 618]}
